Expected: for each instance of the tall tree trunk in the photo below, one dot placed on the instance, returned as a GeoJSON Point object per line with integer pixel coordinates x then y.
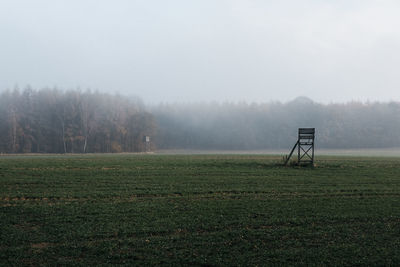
{"type": "Point", "coordinates": [85, 144]}
{"type": "Point", "coordinates": [13, 132]}
{"type": "Point", "coordinates": [63, 137]}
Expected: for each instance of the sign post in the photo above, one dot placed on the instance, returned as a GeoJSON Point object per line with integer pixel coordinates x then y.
{"type": "Point", "coordinates": [146, 141]}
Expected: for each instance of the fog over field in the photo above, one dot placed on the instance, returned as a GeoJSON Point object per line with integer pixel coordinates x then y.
{"type": "Point", "coordinates": [166, 132]}
{"type": "Point", "coordinates": [185, 51]}
{"type": "Point", "coordinates": [97, 76]}
{"type": "Point", "coordinates": [55, 121]}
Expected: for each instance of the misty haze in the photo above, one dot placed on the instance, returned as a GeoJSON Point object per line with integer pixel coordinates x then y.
{"type": "Point", "coordinates": [201, 75]}
{"type": "Point", "coordinates": [199, 133]}
{"type": "Point", "coordinates": [189, 51]}
{"type": "Point", "coordinates": [53, 121]}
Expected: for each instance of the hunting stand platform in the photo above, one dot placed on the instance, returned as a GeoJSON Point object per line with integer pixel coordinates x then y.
{"type": "Point", "coordinates": [305, 147]}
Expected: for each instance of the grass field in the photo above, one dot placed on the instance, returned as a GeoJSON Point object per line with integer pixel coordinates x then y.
{"type": "Point", "coordinates": [198, 210]}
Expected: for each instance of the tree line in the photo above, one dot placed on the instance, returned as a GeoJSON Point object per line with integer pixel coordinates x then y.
{"type": "Point", "coordinates": [244, 126]}
{"type": "Point", "coordinates": [74, 121]}
{"type": "Point", "coordinates": [55, 121]}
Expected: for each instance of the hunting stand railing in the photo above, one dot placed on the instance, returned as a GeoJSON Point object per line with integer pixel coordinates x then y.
{"type": "Point", "coordinates": [305, 147]}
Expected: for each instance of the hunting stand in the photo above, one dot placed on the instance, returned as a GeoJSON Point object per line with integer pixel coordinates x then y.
{"type": "Point", "coordinates": [305, 147]}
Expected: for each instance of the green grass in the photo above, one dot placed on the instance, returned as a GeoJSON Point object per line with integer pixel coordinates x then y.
{"type": "Point", "coordinates": [198, 210]}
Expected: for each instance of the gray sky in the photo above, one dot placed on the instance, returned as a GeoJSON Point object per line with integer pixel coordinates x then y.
{"type": "Point", "coordinates": [204, 50]}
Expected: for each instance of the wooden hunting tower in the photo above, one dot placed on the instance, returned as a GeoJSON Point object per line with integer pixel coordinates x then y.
{"type": "Point", "coordinates": [305, 147]}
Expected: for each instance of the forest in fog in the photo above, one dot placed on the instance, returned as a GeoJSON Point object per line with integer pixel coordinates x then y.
{"type": "Point", "coordinates": [54, 121]}
{"type": "Point", "coordinates": [274, 125]}
{"type": "Point", "coordinates": [74, 121]}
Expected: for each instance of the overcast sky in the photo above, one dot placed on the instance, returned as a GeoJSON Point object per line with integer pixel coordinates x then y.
{"type": "Point", "coordinates": [205, 50]}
